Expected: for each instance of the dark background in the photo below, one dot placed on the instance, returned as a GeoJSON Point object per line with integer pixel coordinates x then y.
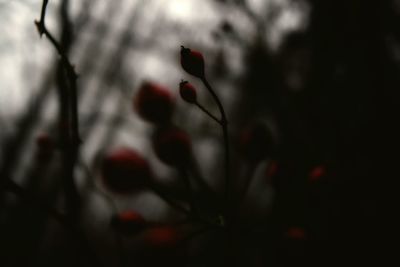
{"type": "Point", "coordinates": [327, 84]}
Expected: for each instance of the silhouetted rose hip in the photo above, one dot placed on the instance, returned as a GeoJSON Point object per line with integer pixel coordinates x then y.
{"type": "Point", "coordinates": [154, 103]}
{"type": "Point", "coordinates": [192, 62]}
{"type": "Point", "coordinates": [128, 222]}
{"type": "Point", "coordinates": [125, 171]}
{"type": "Point", "coordinates": [188, 92]}
{"type": "Point", "coordinates": [172, 146]}
{"type": "Point", "coordinates": [256, 142]}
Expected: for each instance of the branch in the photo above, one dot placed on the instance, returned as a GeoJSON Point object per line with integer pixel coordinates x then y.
{"type": "Point", "coordinates": [68, 114]}
{"type": "Point", "coordinates": [208, 113]}
{"type": "Point", "coordinates": [224, 124]}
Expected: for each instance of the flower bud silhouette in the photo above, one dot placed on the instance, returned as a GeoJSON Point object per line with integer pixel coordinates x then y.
{"type": "Point", "coordinates": [154, 103]}
{"type": "Point", "coordinates": [172, 146]}
{"type": "Point", "coordinates": [128, 222]}
{"type": "Point", "coordinates": [188, 92]}
{"type": "Point", "coordinates": [192, 62]}
{"type": "Point", "coordinates": [125, 171]}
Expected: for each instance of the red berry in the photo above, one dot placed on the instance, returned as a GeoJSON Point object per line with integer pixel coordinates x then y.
{"type": "Point", "coordinates": [162, 237]}
{"type": "Point", "coordinates": [172, 146]}
{"type": "Point", "coordinates": [188, 92]}
{"type": "Point", "coordinates": [154, 103]}
{"type": "Point", "coordinates": [317, 173]}
{"type": "Point", "coordinates": [296, 233]}
{"type": "Point", "coordinates": [128, 222]}
{"type": "Point", "coordinates": [256, 142]}
{"type": "Point", "coordinates": [45, 146]}
{"type": "Point", "coordinates": [272, 169]}
{"type": "Point", "coordinates": [192, 62]}
{"type": "Point", "coordinates": [125, 171]}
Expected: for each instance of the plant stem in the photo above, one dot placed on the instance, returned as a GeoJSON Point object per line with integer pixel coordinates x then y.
{"type": "Point", "coordinates": [70, 139]}
{"type": "Point", "coordinates": [208, 113]}
{"type": "Point", "coordinates": [224, 125]}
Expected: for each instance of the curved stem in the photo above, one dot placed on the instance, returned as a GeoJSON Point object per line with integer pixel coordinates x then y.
{"type": "Point", "coordinates": [208, 113]}
{"type": "Point", "coordinates": [224, 124]}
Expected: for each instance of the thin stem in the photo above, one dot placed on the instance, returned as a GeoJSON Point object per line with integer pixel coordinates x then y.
{"type": "Point", "coordinates": [68, 114]}
{"type": "Point", "coordinates": [207, 112]}
{"type": "Point", "coordinates": [224, 124]}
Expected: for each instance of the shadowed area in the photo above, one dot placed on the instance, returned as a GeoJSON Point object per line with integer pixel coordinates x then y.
{"type": "Point", "coordinates": [309, 89]}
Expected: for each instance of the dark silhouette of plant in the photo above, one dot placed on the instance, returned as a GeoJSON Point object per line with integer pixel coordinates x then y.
{"type": "Point", "coordinates": [315, 127]}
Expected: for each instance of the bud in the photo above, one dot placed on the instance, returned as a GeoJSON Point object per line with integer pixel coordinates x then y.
{"type": "Point", "coordinates": [188, 92]}
{"type": "Point", "coordinates": [172, 146]}
{"type": "Point", "coordinates": [256, 142]}
{"type": "Point", "coordinates": [154, 103]}
{"type": "Point", "coordinates": [192, 62]}
{"type": "Point", "coordinates": [128, 222]}
{"type": "Point", "coordinates": [125, 171]}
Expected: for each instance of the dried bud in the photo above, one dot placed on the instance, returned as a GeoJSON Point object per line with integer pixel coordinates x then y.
{"type": "Point", "coordinates": [256, 142]}
{"type": "Point", "coordinates": [172, 146]}
{"type": "Point", "coordinates": [128, 222]}
{"type": "Point", "coordinates": [154, 103]}
{"type": "Point", "coordinates": [125, 171]}
{"type": "Point", "coordinates": [192, 62]}
{"type": "Point", "coordinates": [188, 92]}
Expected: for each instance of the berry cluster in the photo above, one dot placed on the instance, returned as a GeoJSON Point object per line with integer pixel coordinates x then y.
{"type": "Point", "coordinates": [125, 171]}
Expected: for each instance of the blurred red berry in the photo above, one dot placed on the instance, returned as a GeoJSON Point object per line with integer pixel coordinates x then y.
{"type": "Point", "coordinates": [188, 92]}
{"type": "Point", "coordinates": [128, 222]}
{"type": "Point", "coordinates": [192, 62]}
{"type": "Point", "coordinates": [317, 173]}
{"type": "Point", "coordinates": [154, 103]}
{"type": "Point", "coordinates": [172, 146]}
{"type": "Point", "coordinates": [256, 142]}
{"type": "Point", "coordinates": [162, 237]}
{"type": "Point", "coordinates": [272, 169]}
{"type": "Point", "coordinates": [125, 171]}
{"type": "Point", "coordinates": [45, 146]}
{"type": "Point", "coordinates": [296, 233]}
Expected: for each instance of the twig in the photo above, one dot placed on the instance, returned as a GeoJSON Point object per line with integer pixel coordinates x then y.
{"type": "Point", "coordinates": [224, 125]}
{"type": "Point", "coordinates": [68, 114]}
{"type": "Point", "coordinates": [208, 113]}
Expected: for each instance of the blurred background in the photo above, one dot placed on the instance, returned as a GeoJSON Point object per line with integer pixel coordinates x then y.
{"type": "Point", "coordinates": [323, 75]}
